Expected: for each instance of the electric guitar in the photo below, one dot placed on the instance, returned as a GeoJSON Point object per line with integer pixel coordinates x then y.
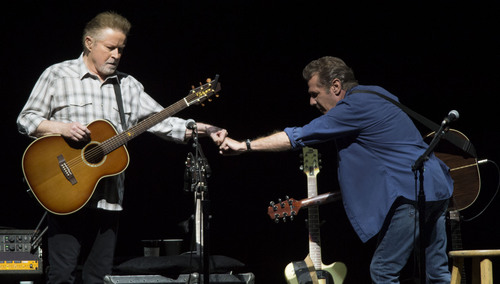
{"type": "Point", "coordinates": [319, 272]}
{"type": "Point", "coordinates": [63, 174]}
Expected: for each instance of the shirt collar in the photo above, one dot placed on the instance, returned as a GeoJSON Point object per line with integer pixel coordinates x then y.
{"type": "Point", "coordinates": [84, 72]}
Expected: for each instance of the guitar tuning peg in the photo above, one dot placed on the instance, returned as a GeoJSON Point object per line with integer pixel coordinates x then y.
{"type": "Point", "coordinates": [192, 87]}
{"type": "Point", "coordinates": [291, 217]}
{"type": "Point", "coordinates": [271, 203]}
{"type": "Point", "coordinates": [277, 219]}
{"type": "Point", "coordinates": [287, 197]}
{"type": "Point", "coordinates": [209, 80]}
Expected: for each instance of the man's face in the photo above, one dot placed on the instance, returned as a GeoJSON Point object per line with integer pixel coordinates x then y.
{"type": "Point", "coordinates": [105, 52]}
{"type": "Point", "coordinates": [323, 98]}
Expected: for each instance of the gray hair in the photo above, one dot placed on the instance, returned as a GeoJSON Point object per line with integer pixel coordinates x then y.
{"type": "Point", "coordinates": [103, 21]}
{"type": "Point", "coordinates": [328, 68]}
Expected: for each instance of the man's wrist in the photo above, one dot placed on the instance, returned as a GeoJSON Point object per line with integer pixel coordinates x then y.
{"type": "Point", "coordinates": [248, 143]}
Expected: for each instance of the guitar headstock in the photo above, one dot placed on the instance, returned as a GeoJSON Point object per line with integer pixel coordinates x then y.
{"type": "Point", "coordinates": [311, 161]}
{"type": "Point", "coordinates": [283, 209]}
{"type": "Point", "coordinates": [203, 92]}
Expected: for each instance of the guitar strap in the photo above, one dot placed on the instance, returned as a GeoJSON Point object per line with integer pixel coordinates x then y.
{"type": "Point", "coordinates": [312, 270]}
{"type": "Point", "coordinates": [119, 101]}
{"type": "Point", "coordinates": [305, 272]}
{"type": "Point", "coordinates": [302, 272]}
{"type": "Point", "coordinates": [452, 137]}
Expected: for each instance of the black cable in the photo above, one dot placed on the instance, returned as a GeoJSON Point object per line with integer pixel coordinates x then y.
{"type": "Point", "coordinates": [494, 195]}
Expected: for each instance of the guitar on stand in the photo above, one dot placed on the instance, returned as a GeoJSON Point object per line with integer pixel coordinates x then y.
{"type": "Point", "coordinates": [312, 268]}
{"type": "Point", "coordinates": [467, 183]}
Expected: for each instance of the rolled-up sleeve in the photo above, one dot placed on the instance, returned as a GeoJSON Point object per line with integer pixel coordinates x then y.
{"type": "Point", "coordinates": [37, 108]}
{"type": "Point", "coordinates": [294, 134]}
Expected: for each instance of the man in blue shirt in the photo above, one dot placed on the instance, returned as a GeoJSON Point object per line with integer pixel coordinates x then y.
{"type": "Point", "coordinates": [377, 145]}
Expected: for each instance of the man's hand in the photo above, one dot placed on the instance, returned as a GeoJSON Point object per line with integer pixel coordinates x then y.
{"type": "Point", "coordinates": [72, 130]}
{"type": "Point", "coordinates": [217, 134]}
{"type": "Point", "coordinates": [75, 131]}
{"type": "Point", "coordinates": [231, 147]}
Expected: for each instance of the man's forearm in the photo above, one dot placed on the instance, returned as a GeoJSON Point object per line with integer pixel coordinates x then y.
{"type": "Point", "coordinates": [278, 141]}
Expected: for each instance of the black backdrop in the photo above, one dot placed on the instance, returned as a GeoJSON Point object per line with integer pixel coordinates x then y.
{"type": "Point", "coordinates": [436, 57]}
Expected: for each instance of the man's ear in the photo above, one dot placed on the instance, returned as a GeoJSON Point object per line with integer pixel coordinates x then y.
{"type": "Point", "coordinates": [89, 42]}
{"type": "Point", "coordinates": [336, 87]}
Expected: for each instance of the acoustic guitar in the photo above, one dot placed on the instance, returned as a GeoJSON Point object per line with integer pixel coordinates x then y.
{"type": "Point", "coordinates": [290, 207]}
{"type": "Point", "coordinates": [63, 174]}
{"type": "Point", "coordinates": [466, 187]}
{"type": "Point", "coordinates": [464, 171]}
{"type": "Point", "coordinates": [319, 272]}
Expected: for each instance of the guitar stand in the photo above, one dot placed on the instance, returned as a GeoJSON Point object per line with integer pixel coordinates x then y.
{"type": "Point", "coordinates": [198, 170]}
{"type": "Point", "coordinates": [418, 168]}
{"type": "Point", "coordinates": [36, 237]}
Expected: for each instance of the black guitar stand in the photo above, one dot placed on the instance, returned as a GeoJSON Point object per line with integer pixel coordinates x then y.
{"type": "Point", "coordinates": [197, 171]}
{"type": "Point", "coordinates": [418, 169]}
{"type": "Point", "coordinates": [36, 237]}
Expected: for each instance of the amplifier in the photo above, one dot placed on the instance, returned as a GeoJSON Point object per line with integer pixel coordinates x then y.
{"type": "Point", "coordinates": [16, 256]}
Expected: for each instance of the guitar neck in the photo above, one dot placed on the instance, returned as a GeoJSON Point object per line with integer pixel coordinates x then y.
{"type": "Point", "coordinates": [314, 224]}
{"type": "Point", "coordinates": [121, 139]}
{"type": "Point", "coordinates": [195, 96]}
{"type": "Point", "coordinates": [320, 199]}
{"type": "Point", "coordinates": [456, 240]}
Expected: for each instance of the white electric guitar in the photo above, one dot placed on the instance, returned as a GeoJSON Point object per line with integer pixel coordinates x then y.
{"type": "Point", "coordinates": [319, 273]}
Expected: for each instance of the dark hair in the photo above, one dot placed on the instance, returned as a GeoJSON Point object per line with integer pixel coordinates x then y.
{"type": "Point", "coordinates": [329, 68]}
{"type": "Point", "coordinates": [105, 20]}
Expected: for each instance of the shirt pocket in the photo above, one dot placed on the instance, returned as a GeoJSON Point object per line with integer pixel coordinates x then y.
{"type": "Point", "coordinates": [72, 108]}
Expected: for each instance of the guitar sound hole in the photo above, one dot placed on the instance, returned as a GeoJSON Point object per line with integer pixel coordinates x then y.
{"type": "Point", "coordinates": [93, 154]}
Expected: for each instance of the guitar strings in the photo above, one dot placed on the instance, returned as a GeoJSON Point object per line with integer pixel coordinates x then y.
{"type": "Point", "coordinates": [99, 150]}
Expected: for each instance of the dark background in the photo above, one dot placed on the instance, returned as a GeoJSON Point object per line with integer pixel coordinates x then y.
{"type": "Point", "coordinates": [435, 56]}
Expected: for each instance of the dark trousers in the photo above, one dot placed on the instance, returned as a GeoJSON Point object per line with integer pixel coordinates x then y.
{"type": "Point", "coordinates": [86, 237]}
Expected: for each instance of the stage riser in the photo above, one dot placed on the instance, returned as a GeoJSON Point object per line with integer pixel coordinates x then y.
{"type": "Point", "coordinates": [246, 278]}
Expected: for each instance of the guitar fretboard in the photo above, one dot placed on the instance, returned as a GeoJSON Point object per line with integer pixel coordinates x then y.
{"type": "Point", "coordinates": [314, 225]}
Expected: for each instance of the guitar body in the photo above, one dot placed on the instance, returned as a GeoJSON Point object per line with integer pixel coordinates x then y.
{"type": "Point", "coordinates": [464, 171]}
{"type": "Point", "coordinates": [45, 176]}
{"type": "Point", "coordinates": [335, 272]}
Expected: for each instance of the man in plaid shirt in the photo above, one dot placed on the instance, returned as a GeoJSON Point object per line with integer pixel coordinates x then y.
{"type": "Point", "coordinates": [67, 97]}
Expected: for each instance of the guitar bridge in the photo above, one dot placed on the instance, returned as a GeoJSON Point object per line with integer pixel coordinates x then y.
{"type": "Point", "coordinates": [66, 170]}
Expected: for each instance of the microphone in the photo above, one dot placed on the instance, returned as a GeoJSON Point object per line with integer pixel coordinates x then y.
{"type": "Point", "coordinates": [191, 124]}
{"type": "Point", "coordinates": [452, 116]}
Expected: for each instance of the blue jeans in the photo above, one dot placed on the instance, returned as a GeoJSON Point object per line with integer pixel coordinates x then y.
{"type": "Point", "coordinates": [397, 241]}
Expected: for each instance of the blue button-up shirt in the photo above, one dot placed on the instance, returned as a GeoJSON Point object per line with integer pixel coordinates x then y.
{"type": "Point", "coordinates": [377, 145]}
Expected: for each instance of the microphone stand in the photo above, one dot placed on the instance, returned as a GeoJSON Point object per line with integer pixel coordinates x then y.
{"type": "Point", "coordinates": [200, 171]}
{"type": "Point", "coordinates": [418, 166]}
